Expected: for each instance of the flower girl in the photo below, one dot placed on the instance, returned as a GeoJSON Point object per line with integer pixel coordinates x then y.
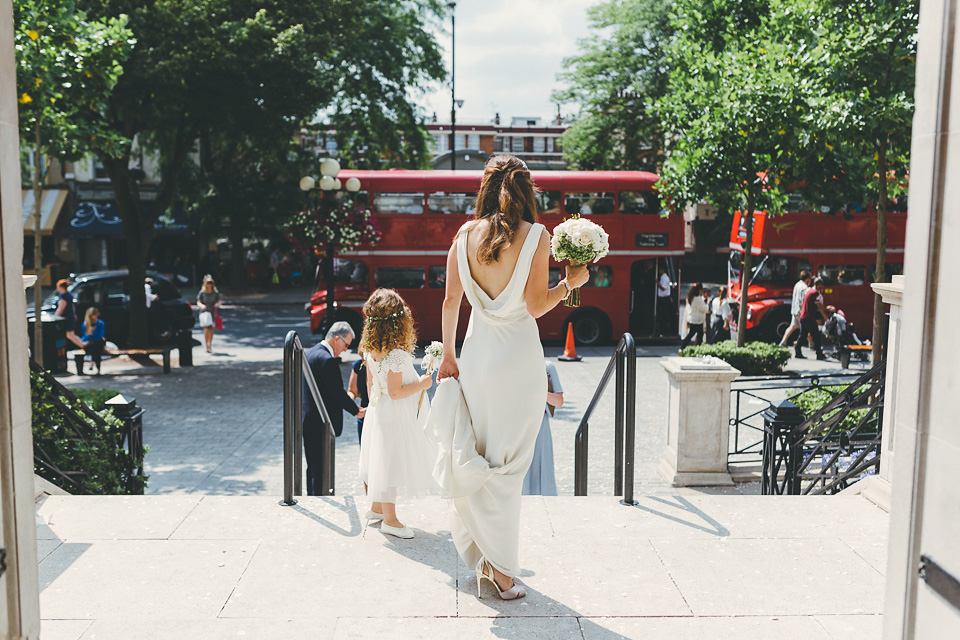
{"type": "Point", "coordinates": [394, 452]}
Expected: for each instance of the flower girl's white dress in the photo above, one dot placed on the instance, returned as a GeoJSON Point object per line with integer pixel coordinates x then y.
{"type": "Point", "coordinates": [395, 456]}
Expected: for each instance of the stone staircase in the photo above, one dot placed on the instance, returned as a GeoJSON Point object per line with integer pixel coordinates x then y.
{"type": "Point", "coordinates": [678, 565]}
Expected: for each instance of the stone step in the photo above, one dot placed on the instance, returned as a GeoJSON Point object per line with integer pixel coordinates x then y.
{"type": "Point", "coordinates": [674, 566]}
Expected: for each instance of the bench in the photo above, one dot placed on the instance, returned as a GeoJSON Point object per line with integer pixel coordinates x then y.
{"type": "Point", "coordinates": [79, 355]}
{"type": "Point", "coordinates": [848, 350]}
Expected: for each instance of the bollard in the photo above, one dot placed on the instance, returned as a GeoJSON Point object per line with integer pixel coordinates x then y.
{"type": "Point", "coordinates": [781, 449]}
{"type": "Point", "coordinates": [132, 416]}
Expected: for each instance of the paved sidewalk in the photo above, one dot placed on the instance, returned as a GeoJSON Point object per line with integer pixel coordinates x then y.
{"type": "Point", "coordinates": [675, 566]}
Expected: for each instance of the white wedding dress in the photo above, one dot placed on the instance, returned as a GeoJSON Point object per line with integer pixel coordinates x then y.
{"type": "Point", "coordinates": [486, 426]}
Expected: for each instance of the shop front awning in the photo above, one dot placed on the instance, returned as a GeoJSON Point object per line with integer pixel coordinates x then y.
{"type": "Point", "coordinates": [50, 205]}
{"type": "Point", "coordinates": [98, 219]}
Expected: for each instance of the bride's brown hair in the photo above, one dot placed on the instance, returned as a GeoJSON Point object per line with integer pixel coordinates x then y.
{"type": "Point", "coordinates": [507, 195]}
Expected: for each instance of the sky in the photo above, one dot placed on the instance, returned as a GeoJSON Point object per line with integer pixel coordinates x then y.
{"type": "Point", "coordinates": [508, 55]}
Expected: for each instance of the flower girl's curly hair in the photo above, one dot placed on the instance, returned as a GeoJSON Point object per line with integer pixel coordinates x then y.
{"type": "Point", "coordinates": [387, 324]}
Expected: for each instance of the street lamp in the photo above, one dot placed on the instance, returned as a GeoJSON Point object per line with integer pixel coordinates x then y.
{"type": "Point", "coordinates": [453, 85]}
{"type": "Point", "coordinates": [329, 184]}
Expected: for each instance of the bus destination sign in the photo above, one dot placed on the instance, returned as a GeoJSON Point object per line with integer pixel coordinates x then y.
{"type": "Point", "coordinates": [653, 240]}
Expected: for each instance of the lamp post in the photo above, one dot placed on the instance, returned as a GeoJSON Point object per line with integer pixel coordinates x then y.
{"type": "Point", "coordinates": [329, 184]}
{"type": "Point", "coordinates": [453, 85]}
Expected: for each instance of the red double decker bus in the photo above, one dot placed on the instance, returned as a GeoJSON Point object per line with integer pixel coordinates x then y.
{"type": "Point", "coordinates": [840, 249]}
{"type": "Point", "coordinates": [419, 213]}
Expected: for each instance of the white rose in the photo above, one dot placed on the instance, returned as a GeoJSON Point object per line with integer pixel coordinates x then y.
{"type": "Point", "coordinates": [595, 239]}
{"type": "Point", "coordinates": [583, 239]}
{"type": "Point", "coordinates": [575, 237]}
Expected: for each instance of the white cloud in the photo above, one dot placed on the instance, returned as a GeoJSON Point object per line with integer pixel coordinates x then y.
{"type": "Point", "coordinates": [508, 55]}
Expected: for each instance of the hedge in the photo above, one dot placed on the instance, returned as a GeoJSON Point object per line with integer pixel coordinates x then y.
{"type": "Point", "coordinates": [752, 359]}
{"type": "Point", "coordinates": [813, 400]}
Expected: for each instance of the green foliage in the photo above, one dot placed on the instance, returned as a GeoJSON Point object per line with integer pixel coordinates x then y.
{"type": "Point", "coordinates": [67, 65]}
{"type": "Point", "coordinates": [96, 399]}
{"type": "Point", "coordinates": [812, 401]}
{"type": "Point", "coordinates": [620, 71]}
{"type": "Point", "coordinates": [91, 449]}
{"type": "Point", "coordinates": [752, 359]}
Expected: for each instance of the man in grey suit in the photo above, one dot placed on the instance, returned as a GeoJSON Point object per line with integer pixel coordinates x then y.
{"type": "Point", "coordinates": [324, 360]}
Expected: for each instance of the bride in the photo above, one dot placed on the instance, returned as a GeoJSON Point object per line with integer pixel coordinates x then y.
{"type": "Point", "coordinates": [500, 261]}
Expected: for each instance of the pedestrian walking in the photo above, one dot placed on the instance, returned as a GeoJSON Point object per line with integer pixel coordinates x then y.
{"type": "Point", "coordinates": [208, 299]}
{"type": "Point", "coordinates": [395, 455]}
{"type": "Point", "coordinates": [696, 315]}
{"type": "Point", "coordinates": [796, 302]}
{"type": "Point", "coordinates": [720, 317]}
{"type": "Point", "coordinates": [67, 310]}
{"type": "Point", "coordinates": [93, 331]}
{"type": "Point", "coordinates": [541, 477]}
{"type": "Point", "coordinates": [811, 310]}
{"type": "Point", "coordinates": [664, 304]}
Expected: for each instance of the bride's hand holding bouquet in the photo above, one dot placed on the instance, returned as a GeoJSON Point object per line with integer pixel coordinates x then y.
{"type": "Point", "coordinates": [580, 242]}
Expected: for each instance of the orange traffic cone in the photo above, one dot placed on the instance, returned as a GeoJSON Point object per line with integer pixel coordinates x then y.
{"type": "Point", "coordinates": [570, 349]}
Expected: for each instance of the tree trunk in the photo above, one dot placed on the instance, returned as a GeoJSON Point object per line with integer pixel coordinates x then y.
{"type": "Point", "coordinates": [137, 233]}
{"type": "Point", "coordinates": [238, 270]}
{"type": "Point", "coordinates": [745, 269]}
{"type": "Point", "coordinates": [881, 275]}
{"type": "Point", "coordinates": [38, 250]}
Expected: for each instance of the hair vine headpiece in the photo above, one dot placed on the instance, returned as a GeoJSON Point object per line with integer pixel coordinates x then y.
{"type": "Point", "coordinates": [392, 316]}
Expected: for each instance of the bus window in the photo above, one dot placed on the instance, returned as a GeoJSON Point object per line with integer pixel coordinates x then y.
{"type": "Point", "coordinates": [548, 202]}
{"type": "Point", "coordinates": [360, 198]}
{"type": "Point", "coordinates": [890, 269]}
{"type": "Point", "coordinates": [843, 274]}
{"type": "Point", "coordinates": [588, 203]}
{"type": "Point", "coordinates": [437, 277]}
{"type": "Point", "coordinates": [350, 271]}
{"type": "Point", "coordinates": [642, 202]}
{"type": "Point", "coordinates": [601, 275]}
{"type": "Point", "coordinates": [768, 268]}
{"type": "Point", "coordinates": [398, 203]}
{"type": "Point", "coordinates": [451, 203]}
{"type": "Point", "coordinates": [400, 277]}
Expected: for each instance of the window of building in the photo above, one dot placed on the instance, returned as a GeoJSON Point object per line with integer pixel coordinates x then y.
{"type": "Point", "coordinates": [528, 144]}
{"type": "Point", "coordinates": [350, 271]}
{"type": "Point", "coordinates": [398, 203]}
{"type": "Point", "coordinates": [437, 277]}
{"type": "Point", "coordinates": [843, 274]}
{"type": "Point", "coordinates": [441, 202]}
{"type": "Point", "coordinates": [588, 203]}
{"type": "Point", "coordinates": [601, 275]}
{"type": "Point", "coordinates": [473, 141]}
{"type": "Point", "coordinates": [442, 141]}
{"type": "Point", "coordinates": [498, 144]}
{"type": "Point", "coordinates": [548, 202]}
{"type": "Point", "coordinates": [639, 202]}
{"type": "Point", "coordinates": [539, 145]}
{"type": "Point", "coordinates": [99, 171]}
{"type": "Point", "coordinates": [400, 277]}
{"type": "Point", "coordinates": [516, 145]}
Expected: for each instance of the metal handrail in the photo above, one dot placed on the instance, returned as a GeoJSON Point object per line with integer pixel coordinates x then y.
{"type": "Point", "coordinates": [296, 368]}
{"type": "Point", "coordinates": [624, 363]}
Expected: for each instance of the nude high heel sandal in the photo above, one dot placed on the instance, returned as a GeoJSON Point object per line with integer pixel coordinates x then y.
{"type": "Point", "coordinates": [516, 591]}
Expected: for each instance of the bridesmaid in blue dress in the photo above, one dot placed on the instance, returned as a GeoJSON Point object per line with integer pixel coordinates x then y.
{"type": "Point", "coordinates": [541, 479]}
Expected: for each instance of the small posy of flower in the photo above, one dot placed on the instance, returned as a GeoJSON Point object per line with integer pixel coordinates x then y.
{"type": "Point", "coordinates": [782, 132]}
{"type": "Point", "coordinates": [743, 133]}
{"type": "Point", "coordinates": [25, 98]}
{"type": "Point", "coordinates": [829, 146]}
{"type": "Point", "coordinates": [33, 34]}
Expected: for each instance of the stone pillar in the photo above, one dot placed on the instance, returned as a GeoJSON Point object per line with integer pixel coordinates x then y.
{"type": "Point", "coordinates": [877, 489]}
{"type": "Point", "coordinates": [698, 422]}
{"type": "Point", "coordinates": [19, 586]}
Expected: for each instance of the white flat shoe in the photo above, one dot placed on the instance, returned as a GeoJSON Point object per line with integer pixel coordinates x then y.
{"type": "Point", "coordinates": [373, 515]}
{"type": "Point", "coordinates": [400, 532]}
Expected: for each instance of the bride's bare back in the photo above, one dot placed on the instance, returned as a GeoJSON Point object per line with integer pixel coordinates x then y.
{"type": "Point", "coordinates": [493, 278]}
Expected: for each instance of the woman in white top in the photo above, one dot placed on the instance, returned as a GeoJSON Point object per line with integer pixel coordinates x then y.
{"type": "Point", "coordinates": [696, 314]}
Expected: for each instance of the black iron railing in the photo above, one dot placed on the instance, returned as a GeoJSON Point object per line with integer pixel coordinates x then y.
{"type": "Point", "coordinates": [624, 363]}
{"type": "Point", "coordinates": [751, 397]}
{"type": "Point", "coordinates": [836, 446]}
{"type": "Point", "coordinates": [296, 369]}
{"type": "Point", "coordinates": [81, 427]}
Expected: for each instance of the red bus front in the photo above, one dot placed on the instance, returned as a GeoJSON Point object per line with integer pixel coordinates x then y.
{"type": "Point", "coordinates": [419, 213]}
{"type": "Point", "coordinates": [840, 249]}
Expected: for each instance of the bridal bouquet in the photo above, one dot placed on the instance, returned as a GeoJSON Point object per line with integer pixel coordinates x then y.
{"type": "Point", "coordinates": [431, 362]}
{"type": "Point", "coordinates": [581, 242]}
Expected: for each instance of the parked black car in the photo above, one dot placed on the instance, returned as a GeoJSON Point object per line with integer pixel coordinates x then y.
{"type": "Point", "coordinates": [107, 290]}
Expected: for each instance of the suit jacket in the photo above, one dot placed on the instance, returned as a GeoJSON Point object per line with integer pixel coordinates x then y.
{"type": "Point", "coordinates": [326, 370]}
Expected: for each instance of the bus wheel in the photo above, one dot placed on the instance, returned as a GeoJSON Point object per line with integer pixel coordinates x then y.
{"type": "Point", "coordinates": [774, 325]}
{"type": "Point", "coordinates": [590, 328]}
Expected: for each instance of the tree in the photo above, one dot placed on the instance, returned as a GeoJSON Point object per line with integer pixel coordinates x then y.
{"type": "Point", "coordinates": [228, 71]}
{"type": "Point", "coordinates": [868, 52]}
{"type": "Point", "coordinates": [621, 70]}
{"type": "Point", "coordinates": [734, 111]}
{"type": "Point", "coordinates": [67, 65]}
